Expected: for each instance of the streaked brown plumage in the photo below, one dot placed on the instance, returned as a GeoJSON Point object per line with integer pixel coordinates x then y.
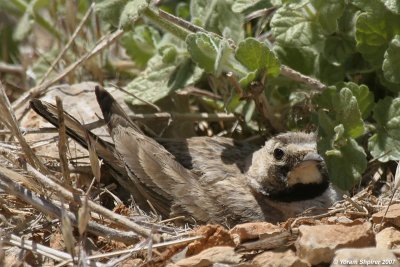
{"type": "Point", "coordinates": [214, 180]}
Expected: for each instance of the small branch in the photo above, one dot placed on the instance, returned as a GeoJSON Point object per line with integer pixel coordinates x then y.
{"type": "Point", "coordinates": [69, 43]}
{"type": "Point", "coordinates": [115, 218]}
{"type": "Point", "coordinates": [63, 143]}
{"type": "Point", "coordinates": [25, 131]}
{"type": "Point", "coordinates": [163, 23]}
{"type": "Point", "coordinates": [8, 117]}
{"type": "Point", "coordinates": [297, 76]}
{"type": "Point", "coordinates": [40, 89]}
{"type": "Point", "coordinates": [136, 97]}
{"type": "Point", "coordinates": [4, 67]}
{"type": "Point", "coordinates": [49, 208]}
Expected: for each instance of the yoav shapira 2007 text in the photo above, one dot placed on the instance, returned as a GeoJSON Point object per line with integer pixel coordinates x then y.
{"type": "Point", "coordinates": [367, 262]}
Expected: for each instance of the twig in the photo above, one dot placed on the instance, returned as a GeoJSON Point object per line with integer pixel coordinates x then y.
{"type": "Point", "coordinates": [136, 97]}
{"type": "Point", "coordinates": [191, 90]}
{"type": "Point", "coordinates": [62, 143]}
{"type": "Point", "coordinates": [297, 76]}
{"type": "Point", "coordinates": [115, 218]}
{"type": "Point", "coordinates": [49, 208]}
{"type": "Point", "coordinates": [35, 247]}
{"type": "Point", "coordinates": [353, 203]}
{"type": "Point", "coordinates": [159, 245]}
{"type": "Point", "coordinates": [25, 131]}
{"type": "Point", "coordinates": [260, 13]}
{"type": "Point", "coordinates": [40, 249]}
{"type": "Point", "coordinates": [8, 117]}
{"type": "Point", "coordinates": [69, 43]}
{"type": "Point", "coordinates": [40, 89]}
{"type": "Point", "coordinates": [4, 67]}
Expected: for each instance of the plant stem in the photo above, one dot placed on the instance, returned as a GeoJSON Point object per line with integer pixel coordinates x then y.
{"type": "Point", "coordinates": [165, 22]}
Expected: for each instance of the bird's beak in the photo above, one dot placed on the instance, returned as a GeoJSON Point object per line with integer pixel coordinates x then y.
{"type": "Point", "coordinates": [312, 156]}
{"type": "Point", "coordinates": [306, 171]}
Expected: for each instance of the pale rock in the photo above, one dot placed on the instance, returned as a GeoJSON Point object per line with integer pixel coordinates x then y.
{"type": "Point", "coordinates": [317, 244]}
{"type": "Point", "coordinates": [251, 231]}
{"type": "Point", "coordinates": [364, 257]}
{"type": "Point", "coordinates": [388, 238]}
{"type": "Point", "coordinates": [392, 216]}
{"type": "Point", "coordinates": [211, 257]}
{"type": "Point", "coordinates": [271, 258]}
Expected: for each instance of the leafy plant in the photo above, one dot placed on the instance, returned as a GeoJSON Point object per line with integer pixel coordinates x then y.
{"type": "Point", "coordinates": [277, 64]}
{"type": "Point", "coordinates": [347, 49]}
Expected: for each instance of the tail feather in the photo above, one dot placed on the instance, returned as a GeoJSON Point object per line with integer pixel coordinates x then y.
{"type": "Point", "coordinates": [163, 177]}
{"type": "Point", "coordinates": [104, 150]}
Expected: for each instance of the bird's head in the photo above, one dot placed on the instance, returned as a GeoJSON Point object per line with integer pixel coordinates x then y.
{"type": "Point", "coordinates": [288, 168]}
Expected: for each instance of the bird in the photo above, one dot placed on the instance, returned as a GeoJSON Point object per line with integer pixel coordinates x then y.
{"type": "Point", "coordinates": [209, 179]}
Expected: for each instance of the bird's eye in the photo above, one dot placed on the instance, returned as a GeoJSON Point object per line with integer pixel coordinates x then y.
{"type": "Point", "coordinates": [278, 153]}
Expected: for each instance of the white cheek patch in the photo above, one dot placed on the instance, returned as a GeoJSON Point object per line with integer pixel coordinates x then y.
{"type": "Point", "coordinates": [306, 172]}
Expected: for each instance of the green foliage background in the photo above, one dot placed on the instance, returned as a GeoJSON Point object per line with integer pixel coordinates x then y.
{"type": "Point", "coordinates": [352, 47]}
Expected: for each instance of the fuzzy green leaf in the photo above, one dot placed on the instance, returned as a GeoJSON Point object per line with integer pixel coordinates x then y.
{"type": "Point", "coordinates": [217, 16]}
{"type": "Point", "coordinates": [292, 28]}
{"type": "Point", "coordinates": [131, 12]}
{"type": "Point", "coordinates": [140, 44]}
{"type": "Point", "coordinates": [344, 172]}
{"type": "Point", "coordinates": [385, 143]}
{"type": "Point", "coordinates": [255, 55]}
{"type": "Point", "coordinates": [392, 5]}
{"type": "Point", "coordinates": [159, 79]}
{"type": "Point", "coordinates": [364, 96]}
{"type": "Point", "coordinates": [110, 10]}
{"type": "Point", "coordinates": [328, 12]}
{"type": "Point", "coordinates": [343, 109]}
{"type": "Point", "coordinates": [203, 49]}
{"type": "Point", "coordinates": [241, 5]}
{"type": "Point", "coordinates": [390, 65]}
{"type": "Point", "coordinates": [338, 49]}
{"type": "Point", "coordinates": [374, 31]}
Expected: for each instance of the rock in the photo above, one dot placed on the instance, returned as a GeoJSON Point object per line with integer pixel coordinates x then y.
{"type": "Point", "coordinates": [214, 235]}
{"type": "Point", "coordinates": [317, 244]}
{"type": "Point", "coordinates": [210, 256]}
{"type": "Point", "coordinates": [339, 220]}
{"type": "Point", "coordinates": [388, 238]}
{"type": "Point", "coordinates": [364, 257]}
{"type": "Point", "coordinates": [251, 231]}
{"type": "Point", "coordinates": [392, 216]}
{"type": "Point", "coordinates": [271, 258]}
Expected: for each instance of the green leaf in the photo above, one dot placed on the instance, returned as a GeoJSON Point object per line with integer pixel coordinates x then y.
{"type": "Point", "coordinates": [349, 113]}
{"type": "Point", "coordinates": [364, 96]}
{"type": "Point", "coordinates": [203, 48]}
{"type": "Point", "coordinates": [293, 29]}
{"type": "Point", "coordinates": [110, 10]}
{"type": "Point", "coordinates": [390, 65]}
{"type": "Point", "coordinates": [337, 149]}
{"type": "Point", "coordinates": [329, 73]}
{"type": "Point", "coordinates": [255, 55]}
{"type": "Point", "coordinates": [371, 6]}
{"type": "Point", "coordinates": [384, 145]}
{"type": "Point", "coordinates": [344, 172]}
{"type": "Point", "coordinates": [392, 5]}
{"type": "Point", "coordinates": [24, 27]}
{"type": "Point", "coordinates": [373, 34]}
{"type": "Point", "coordinates": [140, 44]}
{"type": "Point", "coordinates": [159, 79]}
{"type": "Point", "coordinates": [328, 12]}
{"type": "Point", "coordinates": [241, 5]}
{"type": "Point", "coordinates": [343, 109]}
{"type": "Point", "coordinates": [131, 12]}
{"type": "Point", "coordinates": [299, 58]}
{"type": "Point", "coordinates": [338, 48]}
{"type": "Point", "coordinates": [217, 16]}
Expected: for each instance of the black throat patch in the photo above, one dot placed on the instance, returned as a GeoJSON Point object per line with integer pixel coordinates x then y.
{"type": "Point", "coordinates": [299, 192]}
